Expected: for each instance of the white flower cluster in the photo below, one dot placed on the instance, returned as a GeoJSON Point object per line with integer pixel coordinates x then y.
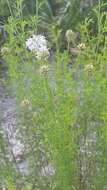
{"type": "Point", "coordinates": [38, 44]}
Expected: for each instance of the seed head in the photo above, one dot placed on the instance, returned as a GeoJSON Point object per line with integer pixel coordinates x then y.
{"type": "Point", "coordinates": [81, 46]}
{"type": "Point", "coordinates": [44, 69]}
{"type": "Point", "coordinates": [4, 50]}
{"type": "Point", "coordinates": [89, 67]}
{"type": "Point", "coordinates": [69, 35]}
{"type": "Point", "coordinates": [25, 103]}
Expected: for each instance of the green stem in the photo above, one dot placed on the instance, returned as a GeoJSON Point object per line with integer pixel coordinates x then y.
{"type": "Point", "coordinates": [50, 99]}
{"type": "Point", "coordinates": [37, 14]}
{"type": "Point", "coordinates": [8, 3]}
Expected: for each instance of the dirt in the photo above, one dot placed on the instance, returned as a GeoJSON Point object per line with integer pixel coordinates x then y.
{"type": "Point", "coordinates": [8, 123]}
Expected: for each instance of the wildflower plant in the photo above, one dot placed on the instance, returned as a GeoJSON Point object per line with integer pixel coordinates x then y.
{"type": "Point", "coordinates": [62, 109]}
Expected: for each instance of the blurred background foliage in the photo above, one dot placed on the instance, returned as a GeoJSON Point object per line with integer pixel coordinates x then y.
{"type": "Point", "coordinates": [55, 17]}
{"type": "Point", "coordinates": [63, 10]}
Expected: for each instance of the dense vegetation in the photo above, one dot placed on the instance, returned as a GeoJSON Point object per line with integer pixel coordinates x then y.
{"type": "Point", "coordinates": [56, 53]}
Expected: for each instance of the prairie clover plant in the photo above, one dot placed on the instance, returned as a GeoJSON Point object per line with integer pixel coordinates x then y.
{"type": "Point", "coordinates": [61, 107]}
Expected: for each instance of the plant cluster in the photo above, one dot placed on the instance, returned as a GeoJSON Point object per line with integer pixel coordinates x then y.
{"type": "Point", "coordinates": [60, 100]}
